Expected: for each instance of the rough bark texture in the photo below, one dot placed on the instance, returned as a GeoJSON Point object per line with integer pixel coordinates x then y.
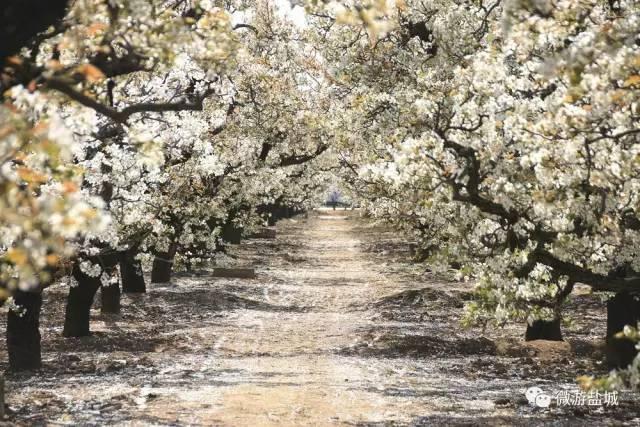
{"type": "Point", "coordinates": [131, 274]}
{"type": "Point", "coordinates": [23, 332]}
{"type": "Point", "coordinates": [2, 412]}
{"type": "Point", "coordinates": [544, 330]}
{"type": "Point", "coordinates": [623, 309]}
{"type": "Point", "coordinates": [79, 302]}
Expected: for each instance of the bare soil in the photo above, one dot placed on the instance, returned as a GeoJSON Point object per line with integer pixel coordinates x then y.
{"type": "Point", "coordinates": [338, 328]}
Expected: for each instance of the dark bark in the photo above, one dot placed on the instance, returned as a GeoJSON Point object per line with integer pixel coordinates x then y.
{"type": "Point", "coordinates": [21, 21]}
{"type": "Point", "coordinates": [269, 212]}
{"type": "Point", "coordinates": [23, 332]}
{"type": "Point", "coordinates": [264, 152]}
{"type": "Point", "coordinates": [131, 274]}
{"type": "Point", "coordinates": [79, 302]}
{"type": "Point", "coordinates": [231, 234]}
{"type": "Point", "coordinates": [304, 158]}
{"type": "Point", "coordinates": [544, 330]}
{"type": "Point", "coordinates": [122, 116]}
{"type": "Point", "coordinates": [623, 309]}
{"type": "Point", "coordinates": [420, 30]}
{"type": "Point", "coordinates": [110, 299]}
{"type": "Point", "coordinates": [163, 266]}
{"type": "Point", "coordinates": [276, 213]}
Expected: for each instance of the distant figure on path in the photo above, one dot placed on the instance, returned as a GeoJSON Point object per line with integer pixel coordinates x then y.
{"type": "Point", "coordinates": [334, 199]}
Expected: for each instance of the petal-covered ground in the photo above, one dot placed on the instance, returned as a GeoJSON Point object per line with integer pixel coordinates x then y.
{"type": "Point", "coordinates": [338, 328]}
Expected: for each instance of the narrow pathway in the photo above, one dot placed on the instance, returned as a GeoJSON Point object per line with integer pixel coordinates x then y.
{"type": "Point", "coordinates": [302, 378]}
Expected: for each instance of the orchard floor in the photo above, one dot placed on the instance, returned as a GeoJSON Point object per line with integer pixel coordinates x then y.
{"type": "Point", "coordinates": [338, 328]}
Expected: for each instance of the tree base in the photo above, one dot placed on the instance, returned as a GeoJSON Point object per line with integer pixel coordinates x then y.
{"type": "Point", "coordinates": [162, 268]}
{"type": "Point", "coordinates": [23, 332]}
{"type": "Point", "coordinates": [79, 302]}
{"type": "Point", "coordinates": [131, 275]}
{"type": "Point", "coordinates": [231, 234]}
{"type": "Point", "coordinates": [110, 299]}
{"type": "Point", "coordinates": [544, 330]}
{"type": "Point", "coordinates": [623, 309]}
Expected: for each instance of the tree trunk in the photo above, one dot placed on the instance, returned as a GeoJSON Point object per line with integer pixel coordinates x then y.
{"type": "Point", "coordinates": [544, 330]}
{"type": "Point", "coordinates": [2, 414]}
{"type": "Point", "coordinates": [163, 266]}
{"type": "Point", "coordinates": [231, 234]}
{"type": "Point", "coordinates": [79, 302]}
{"type": "Point", "coordinates": [23, 332]}
{"type": "Point", "coordinates": [110, 299]}
{"type": "Point", "coordinates": [131, 274]}
{"type": "Point", "coordinates": [623, 309]}
{"type": "Point", "coordinates": [279, 212]}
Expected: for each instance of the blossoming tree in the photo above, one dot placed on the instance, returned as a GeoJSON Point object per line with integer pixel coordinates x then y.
{"type": "Point", "coordinates": [140, 151]}
{"type": "Point", "coordinates": [505, 134]}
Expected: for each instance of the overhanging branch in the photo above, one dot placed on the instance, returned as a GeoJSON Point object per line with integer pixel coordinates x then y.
{"type": "Point", "coordinates": [598, 282]}
{"type": "Point", "coordinates": [122, 116]}
{"type": "Point", "coordinates": [303, 158]}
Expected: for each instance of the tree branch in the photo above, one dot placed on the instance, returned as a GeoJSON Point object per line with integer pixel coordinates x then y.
{"type": "Point", "coordinates": [300, 159]}
{"type": "Point", "coordinates": [598, 282]}
{"type": "Point", "coordinates": [122, 116]}
{"type": "Point", "coordinates": [247, 26]}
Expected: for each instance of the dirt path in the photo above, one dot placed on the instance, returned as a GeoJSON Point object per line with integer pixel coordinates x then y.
{"type": "Point", "coordinates": [337, 329]}
{"type": "Point", "coordinates": [285, 366]}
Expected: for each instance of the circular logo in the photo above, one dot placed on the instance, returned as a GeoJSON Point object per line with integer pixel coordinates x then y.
{"type": "Point", "coordinates": [543, 400]}
{"type": "Point", "coordinates": [537, 397]}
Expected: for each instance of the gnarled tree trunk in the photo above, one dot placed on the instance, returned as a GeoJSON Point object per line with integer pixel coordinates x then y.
{"type": "Point", "coordinates": [79, 302]}
{"type": "Point", "coordinates": [131, 274]}
{"type": "Point", "coordinates": [544, 330]}
{"type": "Point", "coordinates": [623, 309]}
{"type": "Point", "coordinates": [23, 332]}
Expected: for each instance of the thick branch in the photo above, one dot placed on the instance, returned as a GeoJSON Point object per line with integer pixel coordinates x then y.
{"type": "Point", "coordinates": [247, 26]}
{"type": "Point", "coordinates": [300, 159]}
{"type": "Point", "coordinates": [264, 152]}
{"type": "Point", "coordinates": [579, 274]}
{"type": "Point", "coordinates": [122, 116]}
